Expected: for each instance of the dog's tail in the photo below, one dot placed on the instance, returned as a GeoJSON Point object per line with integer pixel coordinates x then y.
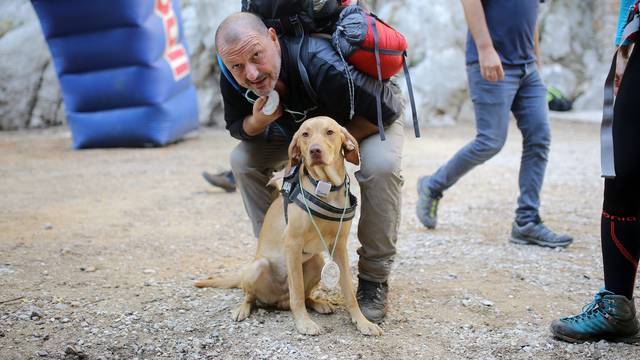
{"type": "Point", "coordinates": [228, 282]}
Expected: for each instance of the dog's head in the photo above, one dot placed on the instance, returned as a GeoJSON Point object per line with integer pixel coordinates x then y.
{"type": "Point", "coordinates": [321, 141]}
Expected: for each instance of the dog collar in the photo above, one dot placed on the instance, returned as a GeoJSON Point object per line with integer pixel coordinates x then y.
{"type": "Point", "coordinates": [315, 182]}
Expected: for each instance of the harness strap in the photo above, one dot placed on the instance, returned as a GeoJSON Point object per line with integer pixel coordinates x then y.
{"type": "Point", "coordinates": [292, 192]}
{"type": "Point", "coordinates": [322, 210]}
{"type": "Point", "coordinates": [289, 184]}
{"type": "Point", "coordinates": [376, 45]}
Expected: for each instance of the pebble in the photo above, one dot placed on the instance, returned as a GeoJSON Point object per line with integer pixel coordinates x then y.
{"type": "Point", "coordinates": [42, 353]}
{"type": "Point", "coordinates": [487, 302]}
{"type": "Point", "coordinates": [89, 268]}
{"type": "Point", "coordinates": [47, 226]}
{"type": "Point", "coordinates": [36, 314]}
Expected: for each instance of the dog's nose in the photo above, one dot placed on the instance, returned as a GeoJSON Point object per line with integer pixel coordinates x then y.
{"type": "Point", "coordinates": [315, 151]}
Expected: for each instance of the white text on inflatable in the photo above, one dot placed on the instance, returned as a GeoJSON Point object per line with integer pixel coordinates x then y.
{"type": "Point", "coordinates": [174, 53]}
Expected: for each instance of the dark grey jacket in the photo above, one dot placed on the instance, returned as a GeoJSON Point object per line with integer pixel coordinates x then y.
{"type": "Point", "coordinates": [327, 79]}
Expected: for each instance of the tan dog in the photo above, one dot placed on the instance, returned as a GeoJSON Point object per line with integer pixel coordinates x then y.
{"type": "Point", "coordinates": [288, 259]}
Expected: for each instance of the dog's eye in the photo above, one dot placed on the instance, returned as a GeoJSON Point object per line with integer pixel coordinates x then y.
{"type": "Point", "coordinates": [305, 134]}
{"type": "Point", "coordinates": [330, 132]}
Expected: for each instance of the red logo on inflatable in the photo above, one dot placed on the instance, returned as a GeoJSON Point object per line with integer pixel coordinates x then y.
{"type": "Point", "coordinates": [174, 52]}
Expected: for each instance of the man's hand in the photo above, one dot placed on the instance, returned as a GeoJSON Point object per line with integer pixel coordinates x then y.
{"type": "Point", "coordinates": [490, 64]}
{"type": "Point", "coordinates": [621, 64]}
{"type": "Point", "coordinates": [360, 128]}
{"type": "Point", "coordinates": [258, 121]}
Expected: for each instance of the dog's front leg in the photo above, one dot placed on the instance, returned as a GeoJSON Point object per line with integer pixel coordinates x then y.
{"type": "Point", "coordinates": [365, 326]}
{"type": "Point", "coordinates": [293, 246]}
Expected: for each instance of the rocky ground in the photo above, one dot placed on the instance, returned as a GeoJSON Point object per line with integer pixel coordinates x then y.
{"type": "Point", "coordinates": [99, 249]}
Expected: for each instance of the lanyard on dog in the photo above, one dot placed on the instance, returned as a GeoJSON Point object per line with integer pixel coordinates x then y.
{"type": "Point", "coordinates": [330, 274]}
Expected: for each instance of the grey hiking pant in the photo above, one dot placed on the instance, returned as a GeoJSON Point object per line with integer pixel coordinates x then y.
{"type": "Point", "coordinates": [253, 162]}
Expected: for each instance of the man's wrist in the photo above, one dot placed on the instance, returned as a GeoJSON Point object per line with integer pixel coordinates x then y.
{"type": "Point", "coordinates": [251, 127]}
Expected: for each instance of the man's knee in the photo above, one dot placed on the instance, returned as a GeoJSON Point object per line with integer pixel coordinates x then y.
{"type": "Point", "coordinates": [539, 136]}
{"type": "Point", "coordinates": [239, 159]}
{"type": "Point", "coordinates": [489, 147]}
{"type": "Point", "coordinates": [383, 165]}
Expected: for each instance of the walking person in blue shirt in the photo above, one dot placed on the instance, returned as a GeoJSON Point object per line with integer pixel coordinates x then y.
{"type": "Point", "coordinates": [612, 313]}
{"type": "Point", "coordinates": [501, 69]}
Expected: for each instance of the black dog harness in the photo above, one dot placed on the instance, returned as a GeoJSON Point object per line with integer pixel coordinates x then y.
{"type": "Point", "coordinates": [292, 192]}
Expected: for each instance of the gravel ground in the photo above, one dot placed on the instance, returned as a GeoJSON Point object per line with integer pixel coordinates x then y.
{"type": "Point", "coordinates": [99, 249]}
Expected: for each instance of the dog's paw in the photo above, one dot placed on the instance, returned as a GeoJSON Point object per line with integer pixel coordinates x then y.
{"type": "Point", "coordinates": [368, 328]}
{"type": "Point", "coordinates": [308, 327]}
{"type": "Point", "coordinates": [241, 312]}
{"type": "Point", "coordinates": [320, 306]}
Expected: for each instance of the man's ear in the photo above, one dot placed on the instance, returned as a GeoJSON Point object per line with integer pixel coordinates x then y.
{"type": "Point", "coordinates": [350, 147]}
{"type": "Point", "coordinates": [294, 150]}
{"type": "Point", "coordinates": [272, 33]}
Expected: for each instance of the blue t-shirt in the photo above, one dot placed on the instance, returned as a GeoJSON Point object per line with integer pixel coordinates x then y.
{"type": "Point", "coordinates": [512, 25]}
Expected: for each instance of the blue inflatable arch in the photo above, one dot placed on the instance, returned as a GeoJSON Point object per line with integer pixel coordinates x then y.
{"type": "Point", "coordinates": [123, 68]}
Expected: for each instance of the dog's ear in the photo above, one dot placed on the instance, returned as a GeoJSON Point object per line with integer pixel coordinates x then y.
{"type": "Point", "coordinates": [294, 150]}
{"type": "Point", "coordinates": [350, 147]}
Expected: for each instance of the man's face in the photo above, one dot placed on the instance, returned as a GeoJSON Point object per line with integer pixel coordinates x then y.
{"type": "Point", "coordinates": [254, 61]}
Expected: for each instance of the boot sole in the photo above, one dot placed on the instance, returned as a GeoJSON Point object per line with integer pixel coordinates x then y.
{"type": "Point", "coordinates": [521, 241]}
{"type": "Point", "coordinates": [632, 340]}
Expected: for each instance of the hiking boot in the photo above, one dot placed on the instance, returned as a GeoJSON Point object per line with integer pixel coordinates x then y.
{"type": "Point", "coordinates": [427, 205]}
{"type": "Point", "coordinates": [608, 317]}
{"type": "Point", "coordinates": [538, 234]}
{"type": "Point", "coordinates": [224, 180]}
{"type": "Point", "coordinates": [372, 298]}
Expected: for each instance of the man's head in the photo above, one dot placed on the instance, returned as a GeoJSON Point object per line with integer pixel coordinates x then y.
{"type": "Point", "coordinates": [250, 51]}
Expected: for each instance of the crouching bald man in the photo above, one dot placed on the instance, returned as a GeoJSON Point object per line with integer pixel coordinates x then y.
{"type": "Point", "coordinates": [259, 61]}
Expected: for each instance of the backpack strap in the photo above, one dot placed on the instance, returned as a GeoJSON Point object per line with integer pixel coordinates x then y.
{"type": "Point", "coordinates": [414, 113]}
{"type": "Point", "coordinates": [376, 45]}
{"type": "Point", "coordinates": [227, 75]}
{"type": "Point", "coordinates": [407, 77]}
{"type": "Point", "coordinates": [302, 71]}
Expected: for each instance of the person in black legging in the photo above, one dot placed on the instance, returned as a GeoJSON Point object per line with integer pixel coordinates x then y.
{"type": "Point", "coordinates": [612, 315]}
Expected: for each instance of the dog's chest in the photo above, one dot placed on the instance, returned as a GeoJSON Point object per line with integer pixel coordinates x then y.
{"type": "Point", "coordinates": [315, 247]}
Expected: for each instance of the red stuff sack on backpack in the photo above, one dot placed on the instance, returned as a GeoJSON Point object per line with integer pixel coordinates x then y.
{"type": "Point", "coordinates": [373, 47]}
{"type": "Point", "coordinates": [364, 40]}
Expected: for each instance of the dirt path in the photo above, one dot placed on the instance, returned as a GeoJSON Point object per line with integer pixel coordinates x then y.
{"type": "Point", "coordinates": [98, 250]}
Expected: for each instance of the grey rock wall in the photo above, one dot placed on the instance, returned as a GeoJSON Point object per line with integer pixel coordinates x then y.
{"type": "Point", "coordinates": [576, 43]}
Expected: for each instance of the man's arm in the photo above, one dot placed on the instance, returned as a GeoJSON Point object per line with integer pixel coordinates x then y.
{"type": "Point", "coordinates": [361, 128]}
{"type": "Point", "coordinates": [490, 64]}
{"type": "Point", "coordinates": [240, 116]}
{"type": "Point", "coordinates": [257, 122]}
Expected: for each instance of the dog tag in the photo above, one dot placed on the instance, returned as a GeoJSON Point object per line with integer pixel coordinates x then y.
{"type": "Point", "coordinates": [323, 188]}
{"type": "Point", "coordinates": [330, 274]}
